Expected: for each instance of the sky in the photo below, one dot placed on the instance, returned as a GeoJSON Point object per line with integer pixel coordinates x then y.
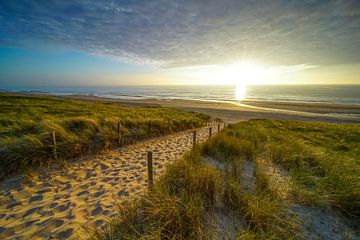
{"type": "Point", "coordinates": [90, 42]}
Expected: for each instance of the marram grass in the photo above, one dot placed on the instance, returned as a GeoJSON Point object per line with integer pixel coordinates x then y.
{"type": "Point", "coordinates": [80, 127]}
{"type": "Point", "coordinates": [321, 159]}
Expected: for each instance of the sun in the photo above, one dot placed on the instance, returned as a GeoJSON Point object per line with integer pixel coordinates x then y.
{"type": "Point", "coordinates": [242, 74]}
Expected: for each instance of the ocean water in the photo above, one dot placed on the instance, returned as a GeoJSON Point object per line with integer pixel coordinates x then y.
{"type": "Point", "coordinates": [345, 94]}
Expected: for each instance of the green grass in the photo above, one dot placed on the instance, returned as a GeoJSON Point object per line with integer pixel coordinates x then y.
{"type": "Point", "coordinates": [321, 159]}
{"type": "Point", "coordinates": [80, 127]}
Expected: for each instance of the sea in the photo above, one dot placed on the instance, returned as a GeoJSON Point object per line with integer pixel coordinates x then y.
{"type": "Point", "coordinates": [340, 94]}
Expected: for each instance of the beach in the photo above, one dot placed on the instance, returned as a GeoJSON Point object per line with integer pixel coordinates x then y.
{"type": "Point", "coordinates": [235, 112]}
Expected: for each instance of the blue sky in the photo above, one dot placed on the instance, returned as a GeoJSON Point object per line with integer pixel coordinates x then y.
{"type": "Point", "coordinates": [159, 42]}
{"type": "Point", "coordinates": [52, 67]}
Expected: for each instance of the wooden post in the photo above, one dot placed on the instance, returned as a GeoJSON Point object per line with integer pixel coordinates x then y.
{"type": "Point", "coordinates": [194, 138]}
{"type": "Point", "coordinates": [53, 144]}
{"type": "Point", "coordinates": [218, 128]}
{"type": "Point", "coordinates": [150, 167]}
{"type": "Point", "coordinates": [119, 133]}
{"type": "Point", "coordinates": [210, 129]}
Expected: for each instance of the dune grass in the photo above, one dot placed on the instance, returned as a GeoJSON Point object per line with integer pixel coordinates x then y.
{"type": "Point", "coordinates": [322, 160]}
{"type": "Point", "coordinates": [80, 127]}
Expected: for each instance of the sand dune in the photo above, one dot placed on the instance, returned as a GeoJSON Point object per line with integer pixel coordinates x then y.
{"type": "Point", "coordinates": [62, 204]}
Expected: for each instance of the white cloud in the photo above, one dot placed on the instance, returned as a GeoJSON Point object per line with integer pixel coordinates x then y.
{"type": "Point", "coordinates": [187, 33]}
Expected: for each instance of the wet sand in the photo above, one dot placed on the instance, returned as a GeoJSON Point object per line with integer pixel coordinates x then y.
{"type": "Point", "coordinates": [249, 109]}
{"type": "Point", "coordinates": [64, 203]}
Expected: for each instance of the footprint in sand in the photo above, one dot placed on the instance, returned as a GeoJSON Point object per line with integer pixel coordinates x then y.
{"type": "Point", "coordinates": [43, 191]}
{"type": "Point", "coordinates": [65, 196]}
{"type": "Point", "coordinates": [108, 179]}
{"type": "Point", "coordinates": [90, 174]}
{"type": "Point", "coordinates": [82, 193]}
{"type": "Point", "coordinates": [29, 223]}
{"type": "Point", "coordinates": [85, 186]}
{"type": "Point", "coordinates": [96, 211]}
{"type": "Point", "coordinates": [67, 186]}
{"type": "Point", "coordinates": [65, 234]}
{"type": "Point", "coordinates": [56, 197]}
{"type": "Point", "coordinates": [123, 193]}
{"type": "Point", "coordinates": [98, 223]}
{"type": "Point", "coordinates": [54, 204]}
{"type": "Point", "coordinates": [46, 221]}
{"type": "Point", "coordinates": [46, 213]}
{"type": "Point", "coordinates": [12, 205]}
{"type": "Point", "coordinates": [36, 198]}
{"type": "Point", "coordinates": [31, 211]}
{"type": "Point", "coordinates": [58, 222]}
{"type": "Point", "coordinates": [70, 215]}
{"type": "Point", "coordinates": [99, 193]}
{"type": "Point", "coordinates": [103, 166]}
{"type": "Point", "coordinates": [63, 207]}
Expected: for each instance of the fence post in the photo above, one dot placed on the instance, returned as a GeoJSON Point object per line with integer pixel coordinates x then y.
{"type": "Point", "coordinates": [218, 127]}
{"type": "Point", "coordinates": [119, 133]}
{"type": "Point", "coordinates": [165, 128]}
{"type": "Point", "coordinates": [210, 130]}
{"type": "Point", "coordinates": [194, 138]}
{"type": "Point", "coordinates": [150, 167]}
{"type": "Point", "coordinates": [53, 143]}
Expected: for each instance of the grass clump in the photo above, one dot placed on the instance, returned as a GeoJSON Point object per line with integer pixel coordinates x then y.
{"type": "Point", "coordinates": [81, 127]}
{"type": "Point", "coordinates": [263, 214]}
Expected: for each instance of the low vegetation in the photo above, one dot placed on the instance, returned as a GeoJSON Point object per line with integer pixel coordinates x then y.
{"type": "Point", "coordinates": [321, 161]}
{"type": "Point", "coordinates": [80, 128]}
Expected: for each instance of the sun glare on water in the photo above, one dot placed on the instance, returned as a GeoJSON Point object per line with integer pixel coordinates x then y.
{"type": "Point", "coordinates": [242, 74]}
{"type": "Point", "coordinates": [240, 92]}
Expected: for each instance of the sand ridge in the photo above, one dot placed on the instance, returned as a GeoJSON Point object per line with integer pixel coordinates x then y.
{"type": "Point", "coordinates": [64, 204]}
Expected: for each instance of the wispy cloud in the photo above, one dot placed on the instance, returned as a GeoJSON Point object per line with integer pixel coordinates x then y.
{"type": "Point", "coordinates": [187, 33]}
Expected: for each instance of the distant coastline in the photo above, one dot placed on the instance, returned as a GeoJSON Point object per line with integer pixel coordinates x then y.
{"type": "Point", "coordinates": [240, 111]}
{"type": "Point", "coordinates": [330, 94]}
{"type": "Point", "coordinates": [347, 104]}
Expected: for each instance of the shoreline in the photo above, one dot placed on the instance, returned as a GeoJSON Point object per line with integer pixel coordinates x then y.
{"type": "Point", "coordinates": [234, 112]}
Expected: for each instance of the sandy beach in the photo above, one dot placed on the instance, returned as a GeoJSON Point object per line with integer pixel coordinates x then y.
{"type": "Point", "coordinates": [64, 204]}
{"type": "Point", "coordinates": [230, 112]}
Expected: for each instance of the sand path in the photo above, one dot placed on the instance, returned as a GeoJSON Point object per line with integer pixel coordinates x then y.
{"type": "Point", "coordinates": [64, 204]}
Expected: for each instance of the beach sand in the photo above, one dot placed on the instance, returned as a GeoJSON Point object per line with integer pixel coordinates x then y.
{"type": "Point", "coordinates": [228, 112]}
{"type": "Point", "coordinates": [62, 204]}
